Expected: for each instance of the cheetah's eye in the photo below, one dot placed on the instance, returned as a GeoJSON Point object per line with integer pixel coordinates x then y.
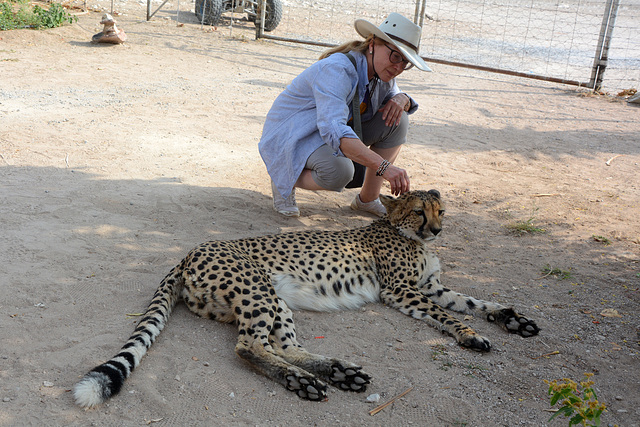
{"type": "Point", "coordinates": [441, 212]}
{"type": "Point", "coordinates": [418, 211]}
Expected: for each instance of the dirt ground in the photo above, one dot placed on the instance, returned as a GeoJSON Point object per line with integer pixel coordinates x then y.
{"type": "Point", "coordinates": [116, 160]}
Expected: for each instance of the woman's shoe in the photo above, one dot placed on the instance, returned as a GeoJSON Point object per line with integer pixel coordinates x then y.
{"type": "Point", "coordinates": [286, 207]}
{"type": "Point", "coordinates": [375, 206]}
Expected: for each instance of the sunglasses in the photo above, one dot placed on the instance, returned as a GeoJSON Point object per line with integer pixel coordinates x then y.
{"type": "Point", "coordinates": [396, 57]}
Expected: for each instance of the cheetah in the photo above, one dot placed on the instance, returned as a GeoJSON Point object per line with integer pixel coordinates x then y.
{"type": "Point", "coordinates": [255, 283]}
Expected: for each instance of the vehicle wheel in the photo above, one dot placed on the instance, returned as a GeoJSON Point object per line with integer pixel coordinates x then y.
{"type": "Point", "coordinates": [273, 15]}
{"type": "Point", "coordinates": [208, 11]}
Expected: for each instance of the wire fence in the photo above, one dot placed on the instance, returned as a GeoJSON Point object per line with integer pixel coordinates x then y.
{"type": "Point", "coordinates": [554, 39]}
{"type": "Point", "coordinates": [557, 40]}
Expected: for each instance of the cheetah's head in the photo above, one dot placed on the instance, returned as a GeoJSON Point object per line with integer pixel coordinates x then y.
{"type": "Point", "coordinates": [416, 214]}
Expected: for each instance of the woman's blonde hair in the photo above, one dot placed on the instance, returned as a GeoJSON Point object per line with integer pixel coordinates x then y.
{"type": "Point", "coordinates": [357, 45]}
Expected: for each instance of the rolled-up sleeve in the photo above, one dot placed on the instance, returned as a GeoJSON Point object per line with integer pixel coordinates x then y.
{"type": "Point", "coordinates": [333, 89]}
{"type": "Point", "coordinates": [394, 90]}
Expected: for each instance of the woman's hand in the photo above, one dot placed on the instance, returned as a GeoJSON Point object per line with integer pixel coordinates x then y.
{"type": "Point", "coordinates": [355, 150]}
{"type": "Point", "coordinates": [393, 109]}
{"type": "Point", "coordinates": [398, 179]}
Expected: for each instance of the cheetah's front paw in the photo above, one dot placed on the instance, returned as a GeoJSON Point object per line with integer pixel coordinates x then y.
{"type": "Point", "coordinates": [475, 342]}
{"type": "Point", "coordinates": [514, 323]}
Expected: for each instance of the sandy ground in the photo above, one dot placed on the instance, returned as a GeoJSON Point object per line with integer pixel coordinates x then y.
{"type": "Point", "coordinates": [116, 160]}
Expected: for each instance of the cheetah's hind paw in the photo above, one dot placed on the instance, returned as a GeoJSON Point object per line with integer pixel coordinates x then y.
{"type": "Point", "coordinates": [307, 387]}
{"type": "Point", "coordinates": [349, 378]}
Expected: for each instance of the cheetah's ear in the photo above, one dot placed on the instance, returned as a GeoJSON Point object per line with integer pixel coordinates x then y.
{"type": "Point", "coordinates": [434, 193]}
{"type": "Point", "coordinates": [389, 202]}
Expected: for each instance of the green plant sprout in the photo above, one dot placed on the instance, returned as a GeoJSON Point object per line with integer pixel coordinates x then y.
{"type": "Point", "coordinates": [558, 273]}
{"type": "Point", "coordinates": [602, 240]}
{"type": "Point", "coordinates": [525, 226]}
{"type": "Point", "coordinates": [578, 402]}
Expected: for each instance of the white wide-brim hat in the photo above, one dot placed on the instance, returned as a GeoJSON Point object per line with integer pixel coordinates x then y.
{"type": "Point", "coordinates": [400, 32]}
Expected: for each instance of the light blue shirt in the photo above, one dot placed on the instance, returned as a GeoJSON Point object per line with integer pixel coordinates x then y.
{"type": "Point", "coordinates": [314, 110]}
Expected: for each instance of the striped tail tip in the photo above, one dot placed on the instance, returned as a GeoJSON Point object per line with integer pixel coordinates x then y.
{"type": "Point", "coordinates": [98, 385]}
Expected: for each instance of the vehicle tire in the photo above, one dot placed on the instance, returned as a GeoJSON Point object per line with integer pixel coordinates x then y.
{"type": "Point", "coordinates": [208, 11]}
{"type": "Point", "coordinates": [273, 15]}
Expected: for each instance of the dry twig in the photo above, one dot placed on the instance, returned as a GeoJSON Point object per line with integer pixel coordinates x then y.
{"type": "Point", "coordinates": [608, 162]}
{"type": "Point", "coordinates": [545, 195]}
{"type": "Point", "coordinates": [547, 354]}
{"type": "Point", "coordinates": [546, 275]}
{"type": "Point", "coordinates": [384, 405]}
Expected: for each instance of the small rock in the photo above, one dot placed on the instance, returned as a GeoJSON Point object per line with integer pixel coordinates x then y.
{"type": "Point", "coordinates": [374, 398]}
{"type": "Point", "coordinates": [206, 363]}
{"type": "Point", "coordinates": [232, 395]}
{"type": "Point", "coordinates": [177, 378]}
{"type": "Point", "coordinates": [618, 397]}
{"type": "Point", "coordinates": [6, 399]}
{"type": "Point", "coordinates": [47, 384]}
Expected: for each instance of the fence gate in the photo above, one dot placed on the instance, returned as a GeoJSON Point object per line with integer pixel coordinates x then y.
{"type": "Point", "coordinates": [564, 41]}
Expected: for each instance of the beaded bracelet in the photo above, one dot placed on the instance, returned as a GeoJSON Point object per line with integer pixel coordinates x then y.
{"type": "Point", "coordinates": [383, 167]}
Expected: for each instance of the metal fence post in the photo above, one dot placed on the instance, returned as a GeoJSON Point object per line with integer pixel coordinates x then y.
{"type": "Point", "coordinates": [149, 14]}
{"type": "Point", "coordinates": [260, 17]}
{"type": "Point", "coordinates": [423, 12]}
{"type": "Point", "coordinates": [604, 40]}
{"type": "Point", "coordinates": [418, 17]}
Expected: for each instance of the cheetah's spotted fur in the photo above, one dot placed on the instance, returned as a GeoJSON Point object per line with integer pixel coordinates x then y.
{"type": "Point", "coordinates": [256, 282]}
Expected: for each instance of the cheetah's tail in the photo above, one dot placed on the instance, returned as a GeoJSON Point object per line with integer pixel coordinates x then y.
{"type": "Point", "coordinates": [105, 380]}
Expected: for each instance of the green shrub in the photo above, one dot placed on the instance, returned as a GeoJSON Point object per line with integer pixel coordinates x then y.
{"type": "Point", "coordinates": [16, 14]}
{"type": "Point", "coordinates": [578, 402]}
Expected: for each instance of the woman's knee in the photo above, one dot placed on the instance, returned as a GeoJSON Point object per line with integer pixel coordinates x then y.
{"type": "Point", "coordinates": [403, 126]}
{"type": "Point", "coordinates": [377, 133]}
{"type": "Point", "coordinates": [334, 175]}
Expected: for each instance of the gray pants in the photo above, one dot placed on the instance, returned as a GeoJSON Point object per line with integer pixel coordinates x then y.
{"type": "Point", "coordinates": [334, 172]}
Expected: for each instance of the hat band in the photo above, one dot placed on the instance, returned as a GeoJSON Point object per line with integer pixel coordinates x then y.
{"type": "Point", "coordinates": [398, 39]}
